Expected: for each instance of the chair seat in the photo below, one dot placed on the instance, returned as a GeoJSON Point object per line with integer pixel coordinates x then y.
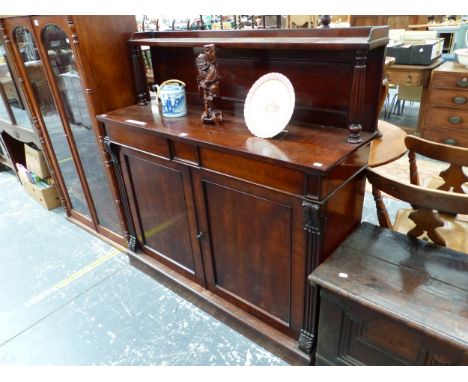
{"type": "Point", "coordinates": [455, 231]}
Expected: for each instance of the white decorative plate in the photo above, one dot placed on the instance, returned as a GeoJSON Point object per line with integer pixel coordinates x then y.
{"type": "Point", "coordinates": [269, 105]}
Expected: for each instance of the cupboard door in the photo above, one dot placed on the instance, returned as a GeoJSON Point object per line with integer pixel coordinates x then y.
{"type": "Point", "coordinates": [253, 248]}
{"type": "Point", "coordinates": [67, 77]}
{"type": "Point", "coordinates": [161, 204]}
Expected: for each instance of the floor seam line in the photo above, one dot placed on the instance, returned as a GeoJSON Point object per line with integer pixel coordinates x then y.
{"type": "Point", "coordinates": [57, 309]}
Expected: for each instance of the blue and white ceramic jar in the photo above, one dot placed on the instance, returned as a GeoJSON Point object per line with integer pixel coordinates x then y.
{"type": "Point", "coordinates": [172, 96]}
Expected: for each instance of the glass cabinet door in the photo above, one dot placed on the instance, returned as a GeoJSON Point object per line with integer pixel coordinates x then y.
{"type": "Point", "coordinates": [67, 78]}
{"type": "Point", "coordinates": [33, 65]}
{"type": "Point", "coordinates": [12, 107]}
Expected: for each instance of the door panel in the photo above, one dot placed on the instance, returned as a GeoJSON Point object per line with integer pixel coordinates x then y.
{"type": "Point", "coordinates": [72, 98]}
{"type": "Point", "coordinates": [253, 247]}
{"type": "Point", "coordinates": [162, 209]}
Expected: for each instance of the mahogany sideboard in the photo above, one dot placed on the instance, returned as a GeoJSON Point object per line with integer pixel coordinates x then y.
{"type": "Point", "coordinates": [236, 222]}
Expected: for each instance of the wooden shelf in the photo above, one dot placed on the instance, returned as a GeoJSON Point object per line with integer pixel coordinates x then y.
{"type": "Point", "coordinates": [328, 39]}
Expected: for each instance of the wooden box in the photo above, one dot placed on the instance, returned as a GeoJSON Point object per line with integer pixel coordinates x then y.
{"type": "Point", "coordinates": [233, 221]}
{"type": "Point", "coordinates": [387, 299]}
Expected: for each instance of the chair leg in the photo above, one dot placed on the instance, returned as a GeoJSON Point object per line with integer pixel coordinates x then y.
{"type": "Point", "coordinates": [382, 214]}
{"type": "Point", "coordinates": [385, 107]}
{"type": "Point", "coordinates": [392, 106]}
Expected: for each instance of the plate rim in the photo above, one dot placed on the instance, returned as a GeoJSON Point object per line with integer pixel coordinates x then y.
{"type": "Point", "coordinates": [259, 82]}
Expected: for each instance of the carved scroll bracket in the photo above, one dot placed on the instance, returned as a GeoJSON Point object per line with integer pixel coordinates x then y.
{"type": "Point", "coordinates": [356, 101]}
{"type": "Point", "coordinates": [130, 235]}
{"type": "Point", "coordinates": [313, 226]}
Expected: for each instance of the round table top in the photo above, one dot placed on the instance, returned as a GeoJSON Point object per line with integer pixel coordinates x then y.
{"type": "Point", "coordinates": [389, 147]}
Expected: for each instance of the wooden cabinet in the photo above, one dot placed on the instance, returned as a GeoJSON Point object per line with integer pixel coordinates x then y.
{"type": "Point", "coordinates": [393, 21]}
{"type": "Point", "coordinates": [387, 300]}
{"type": "Point", "coordinates": [242, 228]}
{"type": "Point", "coordinates": [445, 118]}
{"type": "Point", "coordinates": [66, 67]}
{"type": "Point", "coordinates": [235, 222]}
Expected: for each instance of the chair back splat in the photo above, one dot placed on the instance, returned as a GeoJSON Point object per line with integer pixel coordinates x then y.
{"type": "Point", "coordinates": [440, 228]}
{"type": "Point", "coordinates": [453, 177]}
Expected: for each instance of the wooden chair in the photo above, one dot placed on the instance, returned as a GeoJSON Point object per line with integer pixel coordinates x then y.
{"type": "Point", "coordinates": [423, 220]}
{"type": "Point", "coordinates": [450, 179]}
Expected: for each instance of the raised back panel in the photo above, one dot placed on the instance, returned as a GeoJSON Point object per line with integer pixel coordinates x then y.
{"type": "Point", "coordinates": [321, 88]}
{"type": "Point", "coordinates": [336, 74]}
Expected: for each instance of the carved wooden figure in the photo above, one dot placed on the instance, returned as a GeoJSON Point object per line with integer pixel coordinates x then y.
{"type": "Point", "coordinates": [208, 84]}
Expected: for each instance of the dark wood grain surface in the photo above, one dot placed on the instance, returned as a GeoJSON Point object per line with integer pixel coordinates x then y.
{"type": "Point", "coordinates": [422, 285]}
{"type": "Point", "coordinates": [332, 39]}
{"type": "Point", "coordinates": [299, 148]}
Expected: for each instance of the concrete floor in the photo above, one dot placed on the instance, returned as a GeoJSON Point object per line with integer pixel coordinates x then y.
{"type": "Point", "coordinates": [67, 298]}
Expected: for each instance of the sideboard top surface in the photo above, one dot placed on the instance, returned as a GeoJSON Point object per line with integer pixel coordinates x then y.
{"type": "Point", "coordinates": [310, 148]}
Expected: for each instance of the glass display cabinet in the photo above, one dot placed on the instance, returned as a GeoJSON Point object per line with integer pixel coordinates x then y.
{"type": "Point", "coordinates": [67, 68]}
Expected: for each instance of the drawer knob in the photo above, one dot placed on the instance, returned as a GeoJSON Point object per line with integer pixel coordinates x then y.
{"type": "Point", "coordinates": [408, 79]}
{"type": "Point", "coordinates": [459, 100]}
{"type": "Point", "coordinates": [455, 120]}
{"type": "Point", "coordinates": [463, 83]}
{"type": "Point", "coordinates": [450, 141]}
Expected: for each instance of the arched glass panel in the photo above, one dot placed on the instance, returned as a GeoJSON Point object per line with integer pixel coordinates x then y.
{"type": "Point", "coordinates": [67, 77]}
{"type": "Point", "coordinates": [36, 75]}
{"type": "Point", "coordinates": [11, 96]}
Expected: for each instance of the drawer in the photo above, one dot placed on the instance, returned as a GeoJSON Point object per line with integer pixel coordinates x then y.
{"type": "Point", "coordinates": [441, 135]}
{"type": "Point", "coordinates": [450, 80]}
{"type": "Point", "coordinates": [447, 118]}
{"type": "Point", "coordinates": [449, 98]}
{"type": "Point", "coordinates": [404, 78]}
{"type": "Point", "coordinates": [138, 139]}
{"type": "Point", "coordinates": [266, 174]}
